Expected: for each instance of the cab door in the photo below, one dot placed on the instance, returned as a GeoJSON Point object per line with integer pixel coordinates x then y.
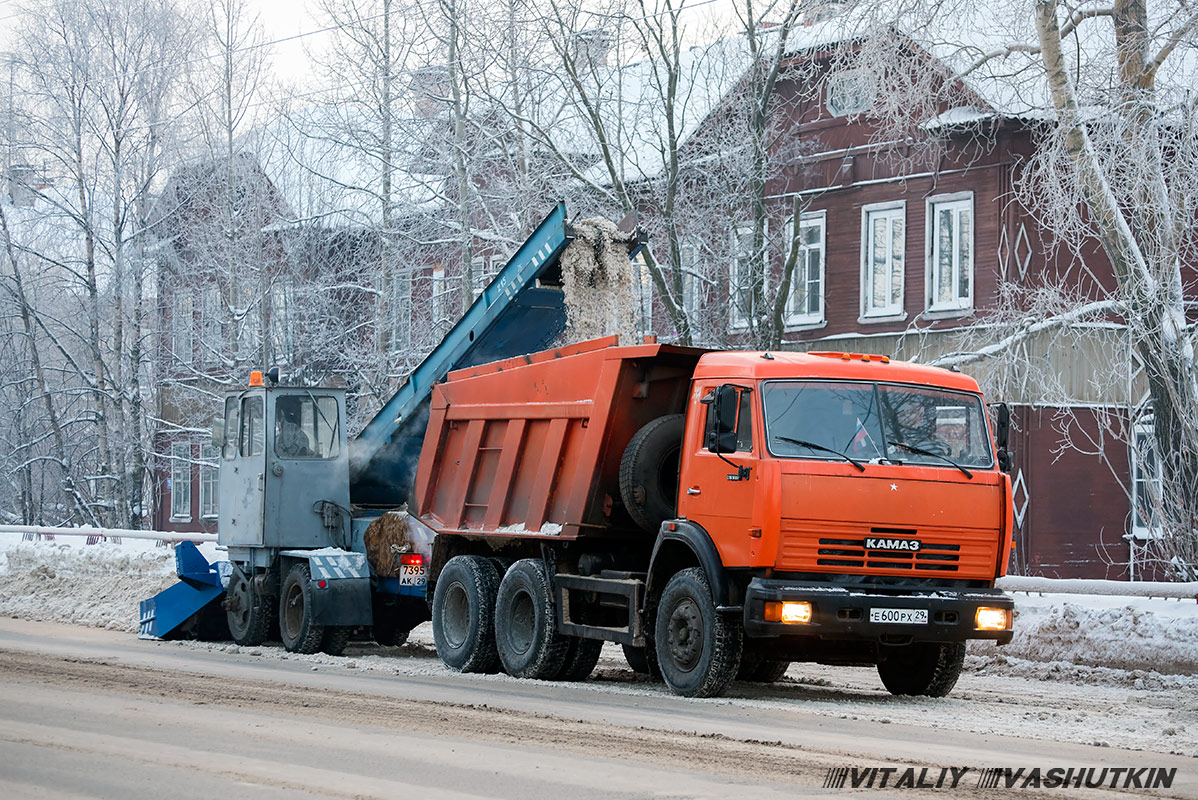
{"type": "Point", "coordinates": [243, 470]}
{"type": "Point", "coordinates": [717, 489]}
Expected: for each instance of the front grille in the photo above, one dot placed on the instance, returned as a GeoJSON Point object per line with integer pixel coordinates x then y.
{"type": "Point", "coordinates": [931, 556]}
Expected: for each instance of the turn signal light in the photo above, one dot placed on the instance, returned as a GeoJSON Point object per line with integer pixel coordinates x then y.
{"type": "Point", "coordinates": [788, 613]}
{"type": "Point", "coordinates": [411, 559]}
{"type": "Point", "coordinates": [993, 619]}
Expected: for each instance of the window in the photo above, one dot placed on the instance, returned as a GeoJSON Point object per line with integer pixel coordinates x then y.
{"type": "Point", "coordinates": [483, 270]}
{"type": "Point", "coordinates": [1146, 483]}
{"type": "Point", "coordinates": [440, 296]}
{"type": "Point", "coordinates": [644, 293]}
{"type": "Point", "coordinates": [805, 306]}
{"type": "Point", "coordinates": [210, 326]}
{"type": "Point", "coordinates": [882, 262]}
{"type": "Point", "coordinates": [181, 482]}
{"type": "Point", "coordinates": [232, 426]}
{"type": "Point", "coordinates": [401, 309]}
{"type": "Point", "coordinates": [248, 321]}
{"type": "Point", "coordinates": [744, 423]}
{"type": "Point", "coordinates": [281, 322]}
{"type": "Point", "coordinates": [850, 92]}
{"type": "Point", "coordinates": [252, 427]}
{"type": "Point", "coordinates": [306, 426]}
{"type": "Point", "coordinates": [692, 282]}
{"type": "Point", "coordinates": [181, 325]}
{"type": "Point", "coordinates": [950, 252]}
{"type": "Point", "coordinates": [745, 269]}
{"type": "Point", "coordinates": [209, 481]}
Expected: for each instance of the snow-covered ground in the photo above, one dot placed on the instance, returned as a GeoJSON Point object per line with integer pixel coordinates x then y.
{"type": "Point", "coordinates": [1094, 669]}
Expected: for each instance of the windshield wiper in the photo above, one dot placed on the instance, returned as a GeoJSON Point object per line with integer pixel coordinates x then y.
{"type": "Point", "coordinates": [815, 446]}
{"type": "Point", "coordinates": [912, 448]}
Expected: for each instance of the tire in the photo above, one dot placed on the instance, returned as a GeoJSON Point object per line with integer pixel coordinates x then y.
{"type": "Point", "coordinates": [336, 637]}
{"type": "Point", "coordinates": [930, 669]}
{"type": "Point", "coordinates": [247, 613]}
{"type": "Point", "coordinates": [643, 660]}
{"type": "Point", "coordinates": [389, 635]}
{"type": "Point", "coordinates": [526, 623]}
{"type": "Point", "coordinates": [761, 671]}
{"type": "Point", "coordinates": [649, 472]}
{"type": "Point", "coordinates": [581, 658]}
{"type": "Point", "coordinates": [297, 627]}
{"type": "Point", "coordinates": [698, 648]}
{"type": "Point", "coordinates": [464, 614]}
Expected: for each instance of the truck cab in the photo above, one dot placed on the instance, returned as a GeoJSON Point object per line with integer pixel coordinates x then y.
{"type": "Point", "coordinates": [857, 503]}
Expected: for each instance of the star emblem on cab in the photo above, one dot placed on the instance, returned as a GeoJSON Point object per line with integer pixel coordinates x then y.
{"type": "Point", "coordinates": [894, 487]}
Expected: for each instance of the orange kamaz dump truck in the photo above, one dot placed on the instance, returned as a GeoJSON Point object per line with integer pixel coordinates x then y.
{"type": "Point", "coordinates": [719, 514]}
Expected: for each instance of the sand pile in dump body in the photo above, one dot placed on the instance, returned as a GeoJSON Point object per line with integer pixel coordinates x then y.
{"type": "Point", "coordinates": [98, 585]}
{"type": "Point", "coordinates": [599, 283]}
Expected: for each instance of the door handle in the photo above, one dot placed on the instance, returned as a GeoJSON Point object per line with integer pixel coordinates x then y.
{"type": "Point", "coordinates": [694, 490]}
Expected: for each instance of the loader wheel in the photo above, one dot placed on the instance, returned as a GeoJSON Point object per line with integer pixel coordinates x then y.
{"type": "Point", "coordinates": [298, 629]}
{"type": "Point", "coordinates": [649, 472]}
{"type": "Point", "coordinates": [698, 648]}
{"type": "Point", "coordinates": [581, 658]}
{"type": "Point", "coordinates": [464, 614]}
{"type": "Point", "coordinates": [643, 660]}
{"type": "Point", "coordinates": [336, 637]}
{"type": "Point", "coordinates": [921, 668]}
{"type": "Point", "coordinates": [526, 623]}
{"type": "Point", "coordinates": [248, 613]}
{"type": "Point", "coordinates": [761, 671]}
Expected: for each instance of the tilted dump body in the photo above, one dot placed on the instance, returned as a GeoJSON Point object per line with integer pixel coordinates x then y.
{"type": "Point", "coordinates": [532, 446]}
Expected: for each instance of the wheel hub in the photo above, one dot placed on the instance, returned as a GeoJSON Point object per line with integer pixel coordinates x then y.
{"type": "Point", "coordinates": [686, 635]}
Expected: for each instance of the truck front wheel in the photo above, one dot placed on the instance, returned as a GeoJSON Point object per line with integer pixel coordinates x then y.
{"type": "Point", "coordinates": [464, 614]}
{"type": "Point", "coordinates": [698, 649]}
{"type": "Point", "coordinates": [526, 623]}
{"type": "Point", "coordinates": [922, 668]}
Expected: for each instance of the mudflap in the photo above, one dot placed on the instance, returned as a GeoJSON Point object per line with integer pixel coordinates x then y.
{"type": "Point", "coordinates": [342, 601]}
{"type": "Point", "coordinates": [190, 607]}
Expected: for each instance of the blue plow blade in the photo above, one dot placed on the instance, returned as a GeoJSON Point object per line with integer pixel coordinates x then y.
{"type": "Point", "coordinates": [193, 599]}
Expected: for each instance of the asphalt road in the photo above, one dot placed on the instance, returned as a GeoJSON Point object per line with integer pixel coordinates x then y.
{"type": "Point", "coordinates": [93, 713]}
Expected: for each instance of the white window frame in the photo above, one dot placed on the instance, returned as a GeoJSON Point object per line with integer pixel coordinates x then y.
{"type": "Point", "coordinates": [209, 482]}
{"type": "Point", "coordinates": [282, 334]}
{"type": "Point", "coordinates": [957, 202]}
{"type": "Point", "coordinates": [1143, 433]}
{"type": "Point", "coordinates": [181, 482]}
{"type": "Point", "coordinates": [182, 325]}
{"type": "Point", "coordinates": [737, 321]}
{"type": "Point", "coordinates": [211, 338]}
{"type": "Point", "coordinates": [891, 310]}
{"type": "Point", "coordinates": [859, 84]}
{"type": "Point", "coordinates": [692, 281]}
{"type": "Point", "coordinates": [439, 295]}
{"type": "Point", "coordinates": [794, 316]}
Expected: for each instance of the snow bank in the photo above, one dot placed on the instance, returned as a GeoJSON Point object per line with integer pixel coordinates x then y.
{"type": "Point", "coordinates": [1126, 633]}
{"type": "Point", "coordinates": [96, 585]}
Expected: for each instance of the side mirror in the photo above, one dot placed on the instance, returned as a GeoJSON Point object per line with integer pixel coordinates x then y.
{"type": "Point", "coordinates": [218, 432]}
{"type": "Point", "coordinates": [1004, 460]}
{"type": "Point", "coordinates": [1002, 426]}
{"type": "Point", "coordinates": [721, 436]}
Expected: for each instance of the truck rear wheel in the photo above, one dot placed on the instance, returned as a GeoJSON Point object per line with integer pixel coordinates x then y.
{"type": "Point", "coordinates": [698, 648]}
{"type": "Point", "coordinates": [581, 658]}
{"type": "Point", "coordinates": [298, 628]}
{"type": "Point", "coordinates": [336, 637]}
{"type": "Point", "coordinates": [922, 668]}
{"type": "Point", "coordinates": [649, 472]}
{"type": "Point", "coordinates": [464, 614]}
{"type": "Point", "coordinates": [526, 623]}
{"type": "Point", "coordinates": [247, 612]}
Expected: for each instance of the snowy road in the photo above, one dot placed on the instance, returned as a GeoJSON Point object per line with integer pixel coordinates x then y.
{"type": "Point", "coordinates": [98, 713]}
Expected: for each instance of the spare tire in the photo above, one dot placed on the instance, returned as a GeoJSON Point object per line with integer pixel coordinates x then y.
{"type": "Point", "coordinates": [649, 472]}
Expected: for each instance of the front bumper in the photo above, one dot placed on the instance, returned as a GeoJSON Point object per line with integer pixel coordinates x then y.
{"type": "Point", "coordinates": [844, 613]}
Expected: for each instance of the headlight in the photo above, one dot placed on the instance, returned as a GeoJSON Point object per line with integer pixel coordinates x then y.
{"type": "Point", "coordinates": [992, 619]}
{"type": "Point", "coordinates": [789, 613]}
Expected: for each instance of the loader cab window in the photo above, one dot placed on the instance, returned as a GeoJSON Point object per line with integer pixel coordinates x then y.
{"type": "Point", "coordinates": [306, 426]}
{"type": "Point", "coordinates": [744, 423]}
{"type": "Point", "coordinates": [232, 426]}
{"type": "Point", "coordinates": [253, 427]}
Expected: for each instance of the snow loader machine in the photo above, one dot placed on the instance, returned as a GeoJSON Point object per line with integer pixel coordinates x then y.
{"type": "Point", "coordinates": [319, 544]}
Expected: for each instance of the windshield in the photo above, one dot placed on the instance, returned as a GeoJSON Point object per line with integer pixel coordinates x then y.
{"type": "Point", "coordinates": [306, 427]}
{"type": "Point", "coordinates": [875, 421]}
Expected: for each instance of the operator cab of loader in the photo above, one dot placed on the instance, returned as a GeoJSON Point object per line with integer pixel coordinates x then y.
{"type": "Point", "coordinates": [284, 478]}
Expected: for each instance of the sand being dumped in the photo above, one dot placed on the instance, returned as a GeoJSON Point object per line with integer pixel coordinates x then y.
{"type": "Point", "coordinates": [599, 283]}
